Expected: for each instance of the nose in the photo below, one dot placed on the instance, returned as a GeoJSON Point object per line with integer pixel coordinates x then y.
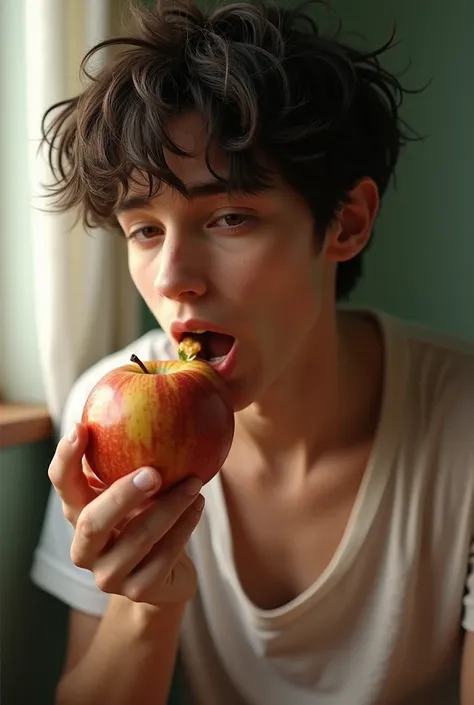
{"type": "Point", "coordinates": [181, 267]}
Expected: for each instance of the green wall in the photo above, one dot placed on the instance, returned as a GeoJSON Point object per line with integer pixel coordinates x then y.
{"type": "Point", "coordinates": [420, 265]}
{"type": "Point", "coordinates": [32, 623]}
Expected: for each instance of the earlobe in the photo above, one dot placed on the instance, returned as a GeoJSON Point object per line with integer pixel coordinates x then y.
{"type": "Point", "coordinates": [351, 230]}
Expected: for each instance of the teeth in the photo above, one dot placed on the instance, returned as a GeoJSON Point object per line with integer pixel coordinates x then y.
{"type": "Point", "coordinates": [199, 332]}
{"type": "Point", "coordinates": [217, 360]}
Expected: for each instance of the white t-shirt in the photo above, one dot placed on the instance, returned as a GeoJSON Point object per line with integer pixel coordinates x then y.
{"type": "Point", "coordinates": [383, 624]}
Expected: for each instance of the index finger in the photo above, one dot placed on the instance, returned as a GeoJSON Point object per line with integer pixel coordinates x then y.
{"type": "Point", "coordinates": [66, 474]}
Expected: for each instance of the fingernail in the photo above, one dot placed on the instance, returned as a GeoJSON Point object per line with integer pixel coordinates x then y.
{"type": "Point", "coordinates": [72, 435]}
{"type": "Point", "coordinates": [146, 479]}
{"type": "Point", "coordinates": [199, 503]}
{"type": "Point", "coordinates": [191, 486]}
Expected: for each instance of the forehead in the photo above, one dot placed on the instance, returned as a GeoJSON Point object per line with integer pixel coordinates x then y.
{"type": "Point", "coordinates": [189, 133]}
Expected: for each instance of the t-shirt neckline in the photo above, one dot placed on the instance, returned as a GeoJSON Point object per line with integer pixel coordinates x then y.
{"type": "Point", "coordinates": [369, 496]}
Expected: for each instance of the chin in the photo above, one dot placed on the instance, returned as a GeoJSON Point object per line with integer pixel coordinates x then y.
{"type": "Point", "coordinates": [240, 397]}
{"type": "Point", "coordinates": [244, 392]}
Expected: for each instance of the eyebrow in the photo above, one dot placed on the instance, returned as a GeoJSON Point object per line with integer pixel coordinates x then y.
{"type": "Point", "coordinates": [211, 188]}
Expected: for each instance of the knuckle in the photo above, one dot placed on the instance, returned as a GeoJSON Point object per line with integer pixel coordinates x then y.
{"type": "Point", "coordinates": [183, 508]}
{"type": "Point", "coordinates": [78, 557]}
{"type": "Point", "coordinates": [142, 536]}
{"type": "Point", "coordinates": [170, 511]}
{"type": "Point", "coordinates": [137, 592]}
{"type": "Point", "coordinates": [106, 581]}
{"type": "Point", "coordinates": [59, 463]}
{"type": "Point", "coordinates": [54, 473]}
{"type": "Point", "coordinates": [86, 526]}
{"type": "Point", "coordinates": [116, 494]}
{"type": "Point", "coordinates": [69, 513]}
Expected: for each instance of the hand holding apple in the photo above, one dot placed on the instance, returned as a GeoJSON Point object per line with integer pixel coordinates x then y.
{"type": "Point", "coordinates": [175, 416]}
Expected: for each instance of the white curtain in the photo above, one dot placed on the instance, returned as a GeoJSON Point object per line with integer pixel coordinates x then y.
{"type": "Point", "coordinates": [86, 305]}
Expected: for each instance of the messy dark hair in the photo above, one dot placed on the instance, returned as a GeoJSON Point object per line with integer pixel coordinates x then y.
{"type": "Point", "coordinates": [264, 80]}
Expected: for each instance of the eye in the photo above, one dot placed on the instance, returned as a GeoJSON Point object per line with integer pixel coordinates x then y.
{"type": "Point", "coordinates": [149, 232]}
{"type": "Point", "coordinates": [232, 221]}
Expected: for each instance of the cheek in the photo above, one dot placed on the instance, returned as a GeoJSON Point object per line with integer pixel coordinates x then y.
{"type": "Point", "coordinates": [304, 299]}
{"type": "Point", "coordinates": [286, 291]}
{"type": "Point", "coordinates": [141, 272]}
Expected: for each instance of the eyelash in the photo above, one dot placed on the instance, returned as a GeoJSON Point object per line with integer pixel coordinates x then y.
{"type": "Point", "coordinates": [247, 218]}
{"type": "Point", "coordinates": [231, 228]}
{"type": "Point", "coordinates": [135, 233]}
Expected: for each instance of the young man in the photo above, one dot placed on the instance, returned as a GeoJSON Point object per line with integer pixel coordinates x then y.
{"type": "Point", "coordinates": [243, 157]}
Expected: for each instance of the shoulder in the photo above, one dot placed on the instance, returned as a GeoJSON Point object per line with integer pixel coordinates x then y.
{"type": "Point", "coordinates": [436, 350]}
{"type": "Point", "coordinates": [439, 395]}
{"type": "Point", "coordinates": [153, 345]}
{"type": "Point", "coordinates": [437, 369]}
{"type": "Point", "coordinates": [441, 376]}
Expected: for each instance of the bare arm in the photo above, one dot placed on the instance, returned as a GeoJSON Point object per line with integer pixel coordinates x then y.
{"type": "Point", "coordinates": [127, 656]}
{"type": "Point", "coordinates": [81, 632]}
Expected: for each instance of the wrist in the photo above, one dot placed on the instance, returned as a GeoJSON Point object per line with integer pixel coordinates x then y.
{"type": "Point", "coordinates": [147, 618]}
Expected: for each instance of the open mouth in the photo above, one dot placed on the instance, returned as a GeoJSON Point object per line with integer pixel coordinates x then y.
{"type": "Point", "coordinates": [212, 347]}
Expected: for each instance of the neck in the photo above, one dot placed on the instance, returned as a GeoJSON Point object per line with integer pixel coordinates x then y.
{"type": "Point", "coordinates": [327, 400]}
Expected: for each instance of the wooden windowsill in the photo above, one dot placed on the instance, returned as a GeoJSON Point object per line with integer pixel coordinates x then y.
{"type": "Point", "coordinates": [23, 423]}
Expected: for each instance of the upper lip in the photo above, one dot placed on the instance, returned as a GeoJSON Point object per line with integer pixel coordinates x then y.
{"type": "Point", "coordinates": [178, 329]}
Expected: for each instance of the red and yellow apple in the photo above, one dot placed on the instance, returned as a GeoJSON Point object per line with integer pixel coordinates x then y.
{"type": "Point", "coordinates": [175, 416]}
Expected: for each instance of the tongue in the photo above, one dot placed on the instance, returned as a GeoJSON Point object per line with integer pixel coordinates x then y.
{"type": "Point", "coordinates": [218, 344]}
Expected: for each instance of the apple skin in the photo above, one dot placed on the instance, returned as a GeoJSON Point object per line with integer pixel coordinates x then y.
{"type": "Point", "coordinates": [178, 419]}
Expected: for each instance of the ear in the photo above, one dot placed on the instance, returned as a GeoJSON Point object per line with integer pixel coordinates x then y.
{"type": "Point", "coordinates": [352, 227]}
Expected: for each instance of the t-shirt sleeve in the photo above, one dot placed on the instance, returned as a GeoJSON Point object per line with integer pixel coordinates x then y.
{"type": "Point", "coordinates": [461, 446]}
{"type": "Point", "coordinates": [466, 441]}
{"type": "Point", "coordinates": [52, 568]}
{"type": "Point", "coordinates": [468, 619]}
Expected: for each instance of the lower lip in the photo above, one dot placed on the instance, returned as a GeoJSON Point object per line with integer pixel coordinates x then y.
{"type": "Point", "coordinates": [226, 366]}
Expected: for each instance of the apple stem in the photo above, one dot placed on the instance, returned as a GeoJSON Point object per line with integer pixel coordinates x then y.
{"type": "Point", "coordinates": [136, 359]}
